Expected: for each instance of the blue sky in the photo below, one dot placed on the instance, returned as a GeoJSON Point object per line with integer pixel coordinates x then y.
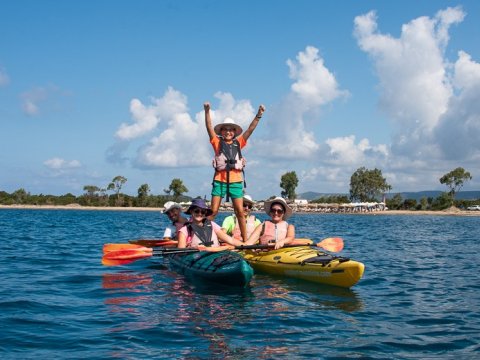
{"type": "Point", "coordinates": [94, 89]}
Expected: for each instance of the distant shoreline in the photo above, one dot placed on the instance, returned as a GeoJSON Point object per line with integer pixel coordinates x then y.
{"type": "Point", "coordinates": [447, 212]}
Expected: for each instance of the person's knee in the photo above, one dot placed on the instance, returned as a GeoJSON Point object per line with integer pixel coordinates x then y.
{"type": "Point", "coordinates": [239, 214]}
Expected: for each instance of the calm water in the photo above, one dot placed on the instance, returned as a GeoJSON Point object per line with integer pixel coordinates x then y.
{"type": "Point", "coordinates": [420, 297]}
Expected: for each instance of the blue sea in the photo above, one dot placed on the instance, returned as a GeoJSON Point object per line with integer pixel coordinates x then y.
{"type": "Point", "coordinates": [419, 298]}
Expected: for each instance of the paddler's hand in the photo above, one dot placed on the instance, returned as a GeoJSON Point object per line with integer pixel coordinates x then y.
{"type": "Point", "coordinates": [260, 111]}
{"type": "Point", "coordinates": [279, 244]}
{"type": "Point", "coordinates": [206, 106]}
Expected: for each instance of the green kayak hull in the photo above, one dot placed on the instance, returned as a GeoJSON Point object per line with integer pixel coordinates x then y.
{"type": "Point", "coordinates": [224, 267]}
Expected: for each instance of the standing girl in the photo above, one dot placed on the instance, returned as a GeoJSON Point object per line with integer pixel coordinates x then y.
{"type": "Point", "coordinates": [227, 141]}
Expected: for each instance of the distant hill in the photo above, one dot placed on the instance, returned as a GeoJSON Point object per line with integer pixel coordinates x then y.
{"type": "Point", "coordinates": [462, 195]}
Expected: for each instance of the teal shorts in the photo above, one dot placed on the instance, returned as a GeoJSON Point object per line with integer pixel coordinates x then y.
{"type": "Point", "coordinates": [235, 189]}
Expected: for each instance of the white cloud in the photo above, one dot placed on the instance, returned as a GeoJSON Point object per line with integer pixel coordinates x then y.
{"type": "Point", "coordinates": [459, 129]}
{"type": "Point", "coordinates": [184, 141]}
{"type": "Point", "coordinates": [343, 150]}
{"type": "Point", "coordinates": [314, 84]}
{"type": "Point", "coordinates": [4, 78]}
{"type": "Point", "coordinates": [414, 85]}
{"type": "Point", "coordinates": [61, 164]}
{"type": "Point", "coordinates": [146, 118]}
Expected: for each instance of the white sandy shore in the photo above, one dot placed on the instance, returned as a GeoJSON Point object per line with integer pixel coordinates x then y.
{"type": "Point", "coordinates": [447, 212]}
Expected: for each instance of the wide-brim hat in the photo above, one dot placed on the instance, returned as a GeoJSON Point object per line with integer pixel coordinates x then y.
{"type": "Point", "coordinates": [228, 122]}
{"type": "Point", "coordinates": [169, 205]}
{"type": "Point", "coordinates": [248, 199]}
{"type": "Point", "coordinates": [279, 200]}
{"type": "Point", "coordinates": [200, 203]}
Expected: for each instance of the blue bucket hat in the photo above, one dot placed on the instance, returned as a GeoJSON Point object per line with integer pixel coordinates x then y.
{"type": "Point", "coordinates": [200, 203]}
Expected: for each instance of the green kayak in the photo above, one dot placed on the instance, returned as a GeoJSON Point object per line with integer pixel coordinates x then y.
{"type": "Point", "coordinates": [223, 267]}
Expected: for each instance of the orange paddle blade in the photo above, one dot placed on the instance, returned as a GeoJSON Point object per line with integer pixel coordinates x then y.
{"type": "Point", "coordinates": [115, 247]}
{"type": "Point", "coordinates": [133, 254]}
{"type": "Point", "coordinates": [333, 244]}
{"type": "Point", "coordinates": [154, 242]}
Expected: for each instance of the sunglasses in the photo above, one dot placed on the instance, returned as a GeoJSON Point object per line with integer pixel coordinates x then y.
{"type": "Point", "coordinates": [276, 211]}
{"type": "Point", "coordinates": [199, 211]}
{"type": "Point", "coordinates": [228, 129]}
{"type": "Point", "coordinates": [248, 206]}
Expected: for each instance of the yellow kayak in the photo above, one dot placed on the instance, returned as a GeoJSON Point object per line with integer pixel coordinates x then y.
{"type": "Point", "coordinates": [306, 263]}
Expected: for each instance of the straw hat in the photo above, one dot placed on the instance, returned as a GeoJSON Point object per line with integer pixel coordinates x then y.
{"type": "Point", "coordinates": [228, 122]}
{"type": "Point", "coordinates": [248, 199]}
{"type": "Point", "coordinates": [281, 201]}
{"type": "Point", "coordinates": [169, 205]}
{"type": "Point", "coordinates": [200, 203]}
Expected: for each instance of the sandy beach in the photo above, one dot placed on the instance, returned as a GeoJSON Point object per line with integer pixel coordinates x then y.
{"type": "Point", "coordinates": [447, 212]}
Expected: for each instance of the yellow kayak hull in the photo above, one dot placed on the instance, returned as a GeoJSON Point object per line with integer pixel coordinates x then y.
{"type": "Point", "coordinates": [306, 263]}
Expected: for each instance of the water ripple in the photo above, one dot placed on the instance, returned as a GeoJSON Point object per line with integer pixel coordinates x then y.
{"type": "Point", "coordinates": [419, 297]}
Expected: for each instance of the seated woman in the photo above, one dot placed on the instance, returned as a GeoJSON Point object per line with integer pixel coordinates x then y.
{"type": "Point", "coordinates": [276, 230]}
{"type": "Point", "coordinates": [201, 231]}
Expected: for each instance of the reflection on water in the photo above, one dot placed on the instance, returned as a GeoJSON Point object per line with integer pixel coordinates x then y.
{"type": "Point", "coordinates": [219, 320]}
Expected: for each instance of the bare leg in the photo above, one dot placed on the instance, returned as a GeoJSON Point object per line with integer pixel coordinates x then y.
{"type": "Point", "coordinates": [216, 200]}
{"type": "Point", "coordinates": [242, 222]}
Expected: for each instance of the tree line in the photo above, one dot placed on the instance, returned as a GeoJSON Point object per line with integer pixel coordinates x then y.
{"type": "Point", "coordinates": [365, 186]}
{"type": "Point", "coordinates": [370, 186]}
{"type": "Point", "coordinates": [109, 195]}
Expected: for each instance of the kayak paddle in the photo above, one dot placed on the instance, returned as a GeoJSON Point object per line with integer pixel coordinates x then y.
{"type": "Point", "coordinates": [123, 254]}
{"type": "Point", "coordinates": [124, 257]}
{"type": "Point", "coordinates": [333, 244]}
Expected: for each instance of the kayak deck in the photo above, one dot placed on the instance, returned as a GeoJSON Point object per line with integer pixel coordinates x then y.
{"type": "Point", "coordinates": [224, 267]}
{"type": "Point", "coordinates": [306, 263]}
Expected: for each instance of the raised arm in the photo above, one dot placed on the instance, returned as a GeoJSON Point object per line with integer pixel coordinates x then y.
{"type": "Point", "coordinates": [254, 122]}
{"type": "Point", "coordinates": [208, 121]}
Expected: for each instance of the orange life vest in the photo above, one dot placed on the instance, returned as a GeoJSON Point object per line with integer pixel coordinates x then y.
{"type": "Point", "coordinates": [250, 227]}
{"type": "Point", "coordinates": [272, 232]}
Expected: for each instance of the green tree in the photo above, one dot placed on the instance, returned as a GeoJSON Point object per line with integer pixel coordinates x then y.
{"type": "Point", "coordinates": [423, 203]}
{"type": "Point", "coordinates": [143, 192]}
{"type": "Point", "coordinates": [20, 196]}
{"type": "Point", "coordinates": [410, 204]}
{"type": "Point", "coordinates": [443, 201]}
{"type": "Point", "coordinates": [367, 185]}
{"type": "Point", "coordinates": [90, 193]}
{"type": "Point", "coordinates": [455, 180]}
{"type": "Point", "coordinates": [395, 202]}
{"type": "Point", "coordinates": [91, 190]}
{"type": "Point", "coordinates": [116, 185]}
{"type": "Point", "coordinates": [288, 183]}
{"type": "Point", "coordinates": [177, 188]}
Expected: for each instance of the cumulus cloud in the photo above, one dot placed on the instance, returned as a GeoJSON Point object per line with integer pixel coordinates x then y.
{"type": "Point", "coordinates": [343, 150]}
{"type": "Point", "coordinates": [414, 84]}
{"type": "Point", "coordinates": [4, 78]}
{"type": "Point", "coordinates": [61, 164]}
{"type": "Point", "coordinates": [177, 139]}
{"type": "Point", "coordinates": [459, 128]}
{"type": "Point", "coordinates": [147, 117]}
{"type": "Point", "coordinates": [314, 86]}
